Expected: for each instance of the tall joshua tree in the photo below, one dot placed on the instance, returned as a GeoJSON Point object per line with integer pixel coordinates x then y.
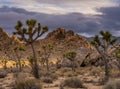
{"type": "Point", "coordinates": [102, 46]}
{"type": "Point", "coordinates": [30, 35]}
{"type": "Point", "coordinates": [17, 51]}
{"type": "Point", "coordinates": [71, 56]}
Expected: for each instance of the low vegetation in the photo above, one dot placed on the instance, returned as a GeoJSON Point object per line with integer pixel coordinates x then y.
{"type": "Point", "coordinates": [27, 84]}
{"type": "Point", "coordinates": [112, 85]}
{"type": "Point", "coordinates": [73, 83]}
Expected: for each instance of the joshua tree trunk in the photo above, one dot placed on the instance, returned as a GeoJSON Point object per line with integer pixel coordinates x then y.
{"type": "Point", "coordinates": [118, 59]}
{"type": "Point", "coordinates": [5, 65]}
{"type": "Point", "coordinates": [106, 71]}
{"type": "Point", "coordinates": [106, 68]}
{"type": "Point", "coordinates": [73, 66]}
{"type": "Point", "coordinates": [47, 65]}
{"type": "Point", "coordinates": [20, 67]}
{"type": "Point", "coordinates": [35, 66]}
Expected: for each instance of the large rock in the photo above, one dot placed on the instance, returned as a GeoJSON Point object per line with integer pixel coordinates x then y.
{"type": "Point", "coordinates": [3, 73]}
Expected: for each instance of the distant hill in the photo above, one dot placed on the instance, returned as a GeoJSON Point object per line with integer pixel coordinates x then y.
{"type": "Point", "coordinates": [90, 38]}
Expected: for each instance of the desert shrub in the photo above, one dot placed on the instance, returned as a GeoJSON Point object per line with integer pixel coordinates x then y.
{"type": "Point", "coordinates": [112, 85]}
{"type": "Point", "coordinates": [63, 70]}
{"type": "Point", "coordinates": [73, 83]}
{"type": "Point", "coordinates": [114, 73]}
{"type": "Point", "coordinates": [48, 74]}
{"type": "Point", "coordinates": [54, 76]}
{"type": "Point", "coordinates": [3, 73]}
{"type": "Point", "coordinates": [47, 80]}
{"type": "Point", "coordinates": [27, 84]}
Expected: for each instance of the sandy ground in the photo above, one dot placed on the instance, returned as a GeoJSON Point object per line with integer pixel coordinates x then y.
{"type": "Point", "coordinates": [89, 80]}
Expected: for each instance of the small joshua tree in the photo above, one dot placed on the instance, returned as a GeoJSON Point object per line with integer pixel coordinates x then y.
{"type": "Point", "coordinates": [30, 35]}
{"type": "Point", "coordinates": [47, 49]}
{"type": "Point", "coordinates": [71, 56]}
{"type": "Point", "coordinates": [102, 46]}
{"type": "Point", "coordinates": [17, 51]}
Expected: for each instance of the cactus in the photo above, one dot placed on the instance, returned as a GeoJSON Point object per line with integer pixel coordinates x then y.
{"type": "Point", "coordinates": [102, 46]}
{"type": "Point", "coordinates": [30, 35]}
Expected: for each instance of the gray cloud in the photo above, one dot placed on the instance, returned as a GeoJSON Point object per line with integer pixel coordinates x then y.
{"type": "Point", "coordinates": [80, 23]}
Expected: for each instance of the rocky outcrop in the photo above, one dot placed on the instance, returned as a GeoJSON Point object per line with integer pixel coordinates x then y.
{"type": "Point", "coordinates": [65, 41]}
{"type": "Point", "coordinates": [7, 42]}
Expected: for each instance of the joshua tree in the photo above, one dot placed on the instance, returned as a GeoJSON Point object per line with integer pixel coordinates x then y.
{"type": "Point", "coordinates": [17, 51]}
{"type": "Point", "coordinates": [71, 56]}
{"type": "Point", "coordinates": [102, 46]}
{"type": "Point", "coordinates": [30, 35]}
{"type": "Point", "coordinates": [47, 49]}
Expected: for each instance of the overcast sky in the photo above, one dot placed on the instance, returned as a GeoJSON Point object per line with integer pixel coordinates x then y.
{"type": "Point", "coordinates": [86, 17]}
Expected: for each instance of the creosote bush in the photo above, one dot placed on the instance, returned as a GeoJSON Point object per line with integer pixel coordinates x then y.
{"type": "Point", "coordinates": [27, 84]}
{"type": "Point", "coordinates": [112, 85]}
{"type": "Point", "coordinates": [73, 83]}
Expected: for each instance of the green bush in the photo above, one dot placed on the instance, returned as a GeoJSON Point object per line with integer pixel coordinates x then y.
{"type": "Point", "coordinates": [27, 84]}
{"type": "Point", "coordinates": [73, 83]}
{"type": "Point", "coordinates": [112, 85]}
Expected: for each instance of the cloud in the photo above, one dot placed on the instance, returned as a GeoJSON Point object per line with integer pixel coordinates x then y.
{"type": "Point", "coordinates": [60, 6]}
{"type": "Point", "coordinates": [85, 24]}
